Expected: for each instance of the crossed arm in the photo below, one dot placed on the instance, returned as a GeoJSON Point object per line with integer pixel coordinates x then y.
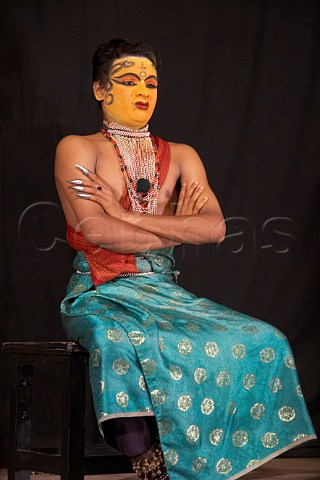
{"type": "Point", "coordinates": [198, 218]}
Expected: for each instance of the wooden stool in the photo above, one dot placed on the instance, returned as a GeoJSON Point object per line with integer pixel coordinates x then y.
{"type": "Point", "coordinates": [70, 460]}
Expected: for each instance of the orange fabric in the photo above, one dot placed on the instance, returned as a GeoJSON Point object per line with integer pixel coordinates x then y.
{"type": "Point", "coordinates": [104, 264]}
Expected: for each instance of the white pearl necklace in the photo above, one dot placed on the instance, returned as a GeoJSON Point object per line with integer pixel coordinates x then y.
{"type": "Point", "coordinates": [137, 161]}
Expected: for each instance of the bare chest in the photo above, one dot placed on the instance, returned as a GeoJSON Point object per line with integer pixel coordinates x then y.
{"type": "Point", "coordinates": [108, 167]}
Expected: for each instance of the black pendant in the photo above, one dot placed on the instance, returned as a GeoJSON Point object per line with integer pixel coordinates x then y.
{"type": "Point", "coordinates": [143, 185]}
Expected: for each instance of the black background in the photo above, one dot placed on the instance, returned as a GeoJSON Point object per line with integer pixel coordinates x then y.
{"type": "Point", "coordinates": [240, 83]}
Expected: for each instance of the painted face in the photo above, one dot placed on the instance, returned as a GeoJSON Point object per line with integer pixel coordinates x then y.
{"type": "Point", "coordinates": [131, 93]}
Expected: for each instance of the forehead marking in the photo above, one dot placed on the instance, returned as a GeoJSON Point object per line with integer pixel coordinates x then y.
{"type": "Point", "coordinates": [142, 74]}
{"type": "Point", "coordinates": [124, 64]}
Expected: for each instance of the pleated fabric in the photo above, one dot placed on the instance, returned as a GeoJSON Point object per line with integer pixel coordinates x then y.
{"type": "Point", "coordinates": [223, 386]}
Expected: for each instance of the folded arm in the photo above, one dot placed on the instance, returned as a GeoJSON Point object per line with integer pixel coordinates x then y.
{"type": "Point", "coordinates": [96, 225]}
{"type": "Point", "coordinates": [207, 226]}
{"type": "Point", "coordinates": [202, 223]}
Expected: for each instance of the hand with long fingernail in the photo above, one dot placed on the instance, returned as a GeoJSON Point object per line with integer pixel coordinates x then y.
{"type": "Point", "coordinates": [84, 195]}
{"type": "Point", "coordinates": [84, 170]}
{"type": "Point", "coordinates": [76, 181]}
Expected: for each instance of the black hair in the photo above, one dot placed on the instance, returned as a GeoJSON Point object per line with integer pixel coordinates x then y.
{"type": "Point", "coordinates": [106, 53]}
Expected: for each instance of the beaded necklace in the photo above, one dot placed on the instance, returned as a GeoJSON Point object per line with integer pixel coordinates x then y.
{"type": "Point", "coordinates": [139, 164]}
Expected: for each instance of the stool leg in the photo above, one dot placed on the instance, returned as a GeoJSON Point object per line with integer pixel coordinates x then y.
{"type": "Point", "coordinates": [73, 410]}
{"type": "Point", "coordinates": [20, 417]}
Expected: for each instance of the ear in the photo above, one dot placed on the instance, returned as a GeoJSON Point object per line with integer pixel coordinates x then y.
{"type": "Point", "coordinates": [99, 91]}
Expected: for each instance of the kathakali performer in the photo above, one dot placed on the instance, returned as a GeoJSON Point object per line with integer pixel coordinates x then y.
{"type": "Point", "coordinates": [185, 387]}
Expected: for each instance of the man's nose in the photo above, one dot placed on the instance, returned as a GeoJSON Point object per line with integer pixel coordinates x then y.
{"type": "Point", "coordinates": [142, 89]}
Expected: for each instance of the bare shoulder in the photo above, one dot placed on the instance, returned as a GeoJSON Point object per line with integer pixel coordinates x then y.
{"type": "Point", "coordinates": [79, 149]}
{"type": "Point", "coordinates": [181, 149]}
{"type": "Point", "coordinates": [72, 142]}
{"type": "Point", "coordinates": [189, 163]}
{"type": "Point", "coordinates": [180, 152]}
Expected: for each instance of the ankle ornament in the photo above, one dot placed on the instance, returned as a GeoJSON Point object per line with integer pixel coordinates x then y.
{"type": "Point", "coordinates": [150, 465]}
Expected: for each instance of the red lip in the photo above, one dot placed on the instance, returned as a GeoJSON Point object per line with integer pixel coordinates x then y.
{"type": "Point", "coordinates": [142, 105]}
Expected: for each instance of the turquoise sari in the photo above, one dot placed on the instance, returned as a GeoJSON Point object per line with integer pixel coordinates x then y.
{"type": "Point", "coordinates": [222, 386]}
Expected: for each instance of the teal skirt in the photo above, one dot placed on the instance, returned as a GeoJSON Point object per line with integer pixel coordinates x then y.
{"type": "Point", "coordinates": [222, 386]}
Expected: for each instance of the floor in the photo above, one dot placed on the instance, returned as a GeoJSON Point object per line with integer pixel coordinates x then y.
{"type": "Point", "coordinates": [277, 469]}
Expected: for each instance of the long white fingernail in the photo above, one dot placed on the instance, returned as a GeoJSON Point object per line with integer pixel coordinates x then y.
{"type": "Point", "coordinates": [77, 187]}
{"type": "Point", "coordinates": [84, 195]}
{"type": "Point", "coordinates": [76, 182]}
{"type": "Point", "coordinates": [83, 170]}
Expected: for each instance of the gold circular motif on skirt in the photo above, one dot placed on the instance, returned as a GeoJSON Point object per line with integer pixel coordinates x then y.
{"type": "Point", "coordinates": [150, 288]}
{"type": "Point", "coordinates": [298, 437]}
{"type": "Point", "coordinates": [199, 464]}
{"type": "Point", "coordinates": [95, 357]}
{"type": "Point", "coordinates": [218, 328]}
{"type": "Point", "coordinates": [251, 329]}
{"type": "Point", "coordinates": [79, 288]}
{"type": "Point", "coordinates": [240, 438]}
{"type": "Point", "coordinates": [207, 406]}
{"type": "Point", "coordinates": [101, 387]}
{"type": "Point", "coordinates": [148, 321]}
{"type": "Point", "coordinates": [252, 462]}
{"type": "Point", "coordinates": [270, 440]}
{"type": "Point", "coordinates": [204, 302]}
{"type": "Point", "coordinates": [224, 466]}
{"type": "Point", "coordinates": [136, 337]}
{"type": "Point", "coordinates": [102, 415]}
{"type": "Point", "coordinates": [184, 402]}
{"type": "Point", "coordinates": [239, 351]}
{"type": "Point", "coordinates": [184, 346]}
{"type": "Point", "coordinates": [257, 411]}
{"type": "Point", "coordinates": [216, 436]}
{"type": "Point", "coordinates": [115, 335]}
{"type": "Point", "coordinates": [193, 327]}
{"type": "Point", "coordinates": [145, 409]}
{"type": "Point", "coordinates": [289, 362]}
{"type": "Point", "coordinates": [223, 379]}
{"type": "Point", "coordinates": [275, 385]}
{"type": "Point", "coordinates": [142, 296]}
{"type": "Point", "coordinates": [165, 427]}
{"type": "Point", "coordinates": [175, 372]}
{"type": "Point", "coordinates": [200, 375]}
{"type": "Point", "coordinates": [192, 434]}
{"type": "Point", "coordinates": [165, 325]}
{"type": "Point", "coordinates": [142, 383]}
{"type": "Point", "coordinates": [279, 334]}
{"type": "Point", "coordinates": [177, 294]}
{"type": "Point", "coordinates": [267, 355]}
{"type": "Point", "coordinates": [232, 408]}
{"type": "Point", "coordinates": [171, 457]}
{"type": "Point", "coordinates": [249, 381]}
{"type": "Point", "coordinates": [158, 397]}
{"type": "Point", "coordinates": [120, 366]}
{"type": "Point", "coordinates": [286, 414]}
{"type": "Point", "coordinates": [122, 399]}
{"type": "Point", "coordinates": [299, 391]}
{"type": "Point", "coordinates": [148, 366]}
{"type": "Point", "coordinates": [162, 344]}
{"type": "Point", "coordinates": [211, 349]}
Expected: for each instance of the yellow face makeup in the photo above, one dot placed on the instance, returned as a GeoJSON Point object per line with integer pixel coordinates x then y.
{"type": "Point", "coordinates": [130, 95]}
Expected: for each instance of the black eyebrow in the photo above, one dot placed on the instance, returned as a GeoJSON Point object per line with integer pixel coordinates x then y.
{"type": "Point", "coordinates": [126, 74]}
{"type": "Point", "coordinates": [151, 76]}
{"type": "Point", "coordinates": [136, 76]}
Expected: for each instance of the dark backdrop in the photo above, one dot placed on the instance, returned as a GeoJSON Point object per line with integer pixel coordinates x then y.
{"type": "Point", "coordinates": [240, 83]}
